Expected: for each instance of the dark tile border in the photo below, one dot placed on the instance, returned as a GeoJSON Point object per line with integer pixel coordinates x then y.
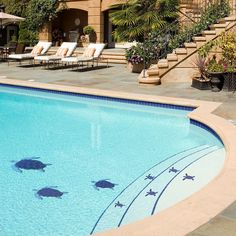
{"type": "Point", "coordinates": [123, 100]}
{"type": "Point", "coordinates": [207, 128]}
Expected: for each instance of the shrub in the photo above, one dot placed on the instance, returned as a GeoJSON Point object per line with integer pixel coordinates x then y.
{"type": "Point", "coordinates": [88, 30]}
{"type": "Point", "coordinates": [227, 43]}
{"type": "Point", "coordinates": [142, 53]}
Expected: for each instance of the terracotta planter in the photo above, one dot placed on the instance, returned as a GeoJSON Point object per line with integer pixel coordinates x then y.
{"type": "Point", "coordinates": [136, 68]}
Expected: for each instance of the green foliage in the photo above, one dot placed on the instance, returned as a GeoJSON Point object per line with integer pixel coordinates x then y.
{"type": "Point", "coordinates": [36, 12]}
{"type": "Point", "coordinates": [174, 35]}
{"type": "Point", "coordinates": [214, 66]}
{"type": "Point", "coordinates": [158, 44]}
{"type": "Point", "coordinates": [88, 29]}
{"type": "Point", "coordinates": [136, 18]}
{"type": "Point", "coordinates": [27, 36]}
{"type": "Point", "coordinates": [209, 16]}
{"type": "Point", "coordinates": [40, 11]}
{"type": "Point", "coordinates": [142, 53]}
{"type": "Point", "coordinates": [206, 48]}
{"type": "Point", "coordinates": [227, 43]}
{"type": "Point", "coordinates": [134, 55]}
{"type": "Point", "coordinates": [16, 7]}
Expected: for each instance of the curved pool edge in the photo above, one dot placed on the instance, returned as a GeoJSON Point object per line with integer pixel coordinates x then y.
{"type": "Point", "coordinates": [198, 208]}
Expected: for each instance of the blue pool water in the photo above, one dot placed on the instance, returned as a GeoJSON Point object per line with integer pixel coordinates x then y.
{"type": "Point", "coordinates": [111, 163]}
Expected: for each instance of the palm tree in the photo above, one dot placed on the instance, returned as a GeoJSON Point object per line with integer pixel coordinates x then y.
{"type": "Point", "coordinates": [136, 18]}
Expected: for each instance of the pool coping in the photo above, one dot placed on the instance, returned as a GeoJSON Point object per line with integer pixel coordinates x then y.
{"type": "Point", "coordinates": [198, 208]}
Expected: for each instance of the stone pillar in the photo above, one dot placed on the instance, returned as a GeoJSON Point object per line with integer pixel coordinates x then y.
{"type": "Point", "coordinates": [45, 33]}
{"type": "Point", "coordinates": [96, 19]}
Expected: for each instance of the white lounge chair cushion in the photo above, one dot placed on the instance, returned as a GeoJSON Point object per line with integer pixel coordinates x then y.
{"type": "Point", "coordinates": [45, 45]}
{"type": "Point", "coordinates": [37, 50]}
{"type": "Point", "coordinates": [21, 56]}
{"type": "Point", "coordinates": [76, 59]}
{"type": "Point", "coordinates": [99, 48]}
{"type": "Point", "coordinates": [48, 58]}
{"type": "Point", "coordinates": [66, 46]}
{"type": "Point", "coordinates": [62, 52]}
{"type": "Point", "coordinates": [71, 47]}
{"type": "Point", "coordinates": [89, 52]}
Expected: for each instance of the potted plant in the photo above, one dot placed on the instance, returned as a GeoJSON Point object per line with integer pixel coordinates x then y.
{"type": "Point", "coordinates": [215, 70]}
{"type": "Point", "coordinates": [84, 40]}
{"type": "Point", "coordinates": [228, 46]}
{"type": "Point", "coordinates": [201, 80]}
{"type": "Point", "coordinates": [89, 34]}
{"type": "Point", "coordinates": [135, 59]}
{"type": "Point", "coordinates": [222, 71]}
{"type": "Point", "coordinates": [140, 56]}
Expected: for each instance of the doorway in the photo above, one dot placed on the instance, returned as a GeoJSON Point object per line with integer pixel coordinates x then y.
{"type": "Point", "coordinates": [11, 33]}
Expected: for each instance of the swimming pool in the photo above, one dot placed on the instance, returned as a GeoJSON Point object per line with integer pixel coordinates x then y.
{"type": "Point", "coordinates": [111, 162]}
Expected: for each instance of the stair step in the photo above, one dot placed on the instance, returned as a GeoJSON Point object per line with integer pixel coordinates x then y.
{"type": "Point", "coordinates": [153, 67]}
{"type": "Point", "coordinates": [151, 76]}
{"type": "Point", "coordinates": [149, 80]}
{"type": "Point", "coordinates": [172, 57]}
{"type": "Point", "coordinates": [118, 57]}
{"type": "Point", "coordinates": [199, 38]}
{"type": "Point", "coordinates": [209, 32]}
{"type": "Point", "coordinates": [163, 63]}
{"type": "Point", "coordinates": [114, 61]}
{"type": "Point", "coordinates": [214, 26]}
{"type": "Point", "coordinates": [196, 16]}
{"type": "Point", "coordinates": [181, 51]}
{"type": "Point", "coordinates": [190, 45]}
{"type": "Point", "coordinates": [152, 72]}
{"type": "Point", "coordinates": [227, 19]}
{"type": "Point", "coordinates": [189, 10]}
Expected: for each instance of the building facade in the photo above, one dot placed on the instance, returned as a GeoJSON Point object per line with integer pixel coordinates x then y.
{"type": "Point", "coordinates": [68, 26]}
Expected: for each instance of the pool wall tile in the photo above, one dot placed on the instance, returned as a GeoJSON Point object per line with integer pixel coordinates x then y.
{"type": "Point", "coordinates": [123, 100]}
{"type": "Point", "coordinates": [205, 127]}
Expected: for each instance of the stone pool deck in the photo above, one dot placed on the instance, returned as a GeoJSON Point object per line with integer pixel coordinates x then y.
{"type": "Point", "coordinates": [118, 78]}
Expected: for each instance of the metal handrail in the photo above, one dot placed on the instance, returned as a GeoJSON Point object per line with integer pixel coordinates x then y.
{"type": "Point", "coordinates": [178, 32]}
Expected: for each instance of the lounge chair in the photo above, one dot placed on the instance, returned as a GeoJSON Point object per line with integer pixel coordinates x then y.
{"type": "Point", "coordinates": [91, 54]}
{"type": "Point", "coordinates": [65, 50]}
{"type": "Point", "coordinates": [40, 49]}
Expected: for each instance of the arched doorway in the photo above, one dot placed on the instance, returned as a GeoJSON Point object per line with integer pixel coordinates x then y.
{"type": "Point", "coordinates": [68, 26]}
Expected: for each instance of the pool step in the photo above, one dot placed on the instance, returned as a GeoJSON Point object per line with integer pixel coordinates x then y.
{"type": "Point", "coordinates": [134, 196]}
{"type": "Point", "coordinates": [205, 168]}
{"type": "Point", "coordinates": [145, 204]}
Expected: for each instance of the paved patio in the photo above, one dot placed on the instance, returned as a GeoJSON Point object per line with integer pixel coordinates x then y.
{"type": "Point", "coordinates": [118, 78]}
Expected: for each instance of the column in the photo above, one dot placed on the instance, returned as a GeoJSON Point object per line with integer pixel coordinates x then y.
{"type": "Point", "coordinates": [96, 19]}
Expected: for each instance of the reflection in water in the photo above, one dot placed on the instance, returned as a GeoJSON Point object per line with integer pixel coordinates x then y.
{"type": "Point", "coordinates": [95, 136]}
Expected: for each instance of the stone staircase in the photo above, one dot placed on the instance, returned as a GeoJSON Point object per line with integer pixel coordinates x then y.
{"type": "Point", "coordinates": [156, 72]}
